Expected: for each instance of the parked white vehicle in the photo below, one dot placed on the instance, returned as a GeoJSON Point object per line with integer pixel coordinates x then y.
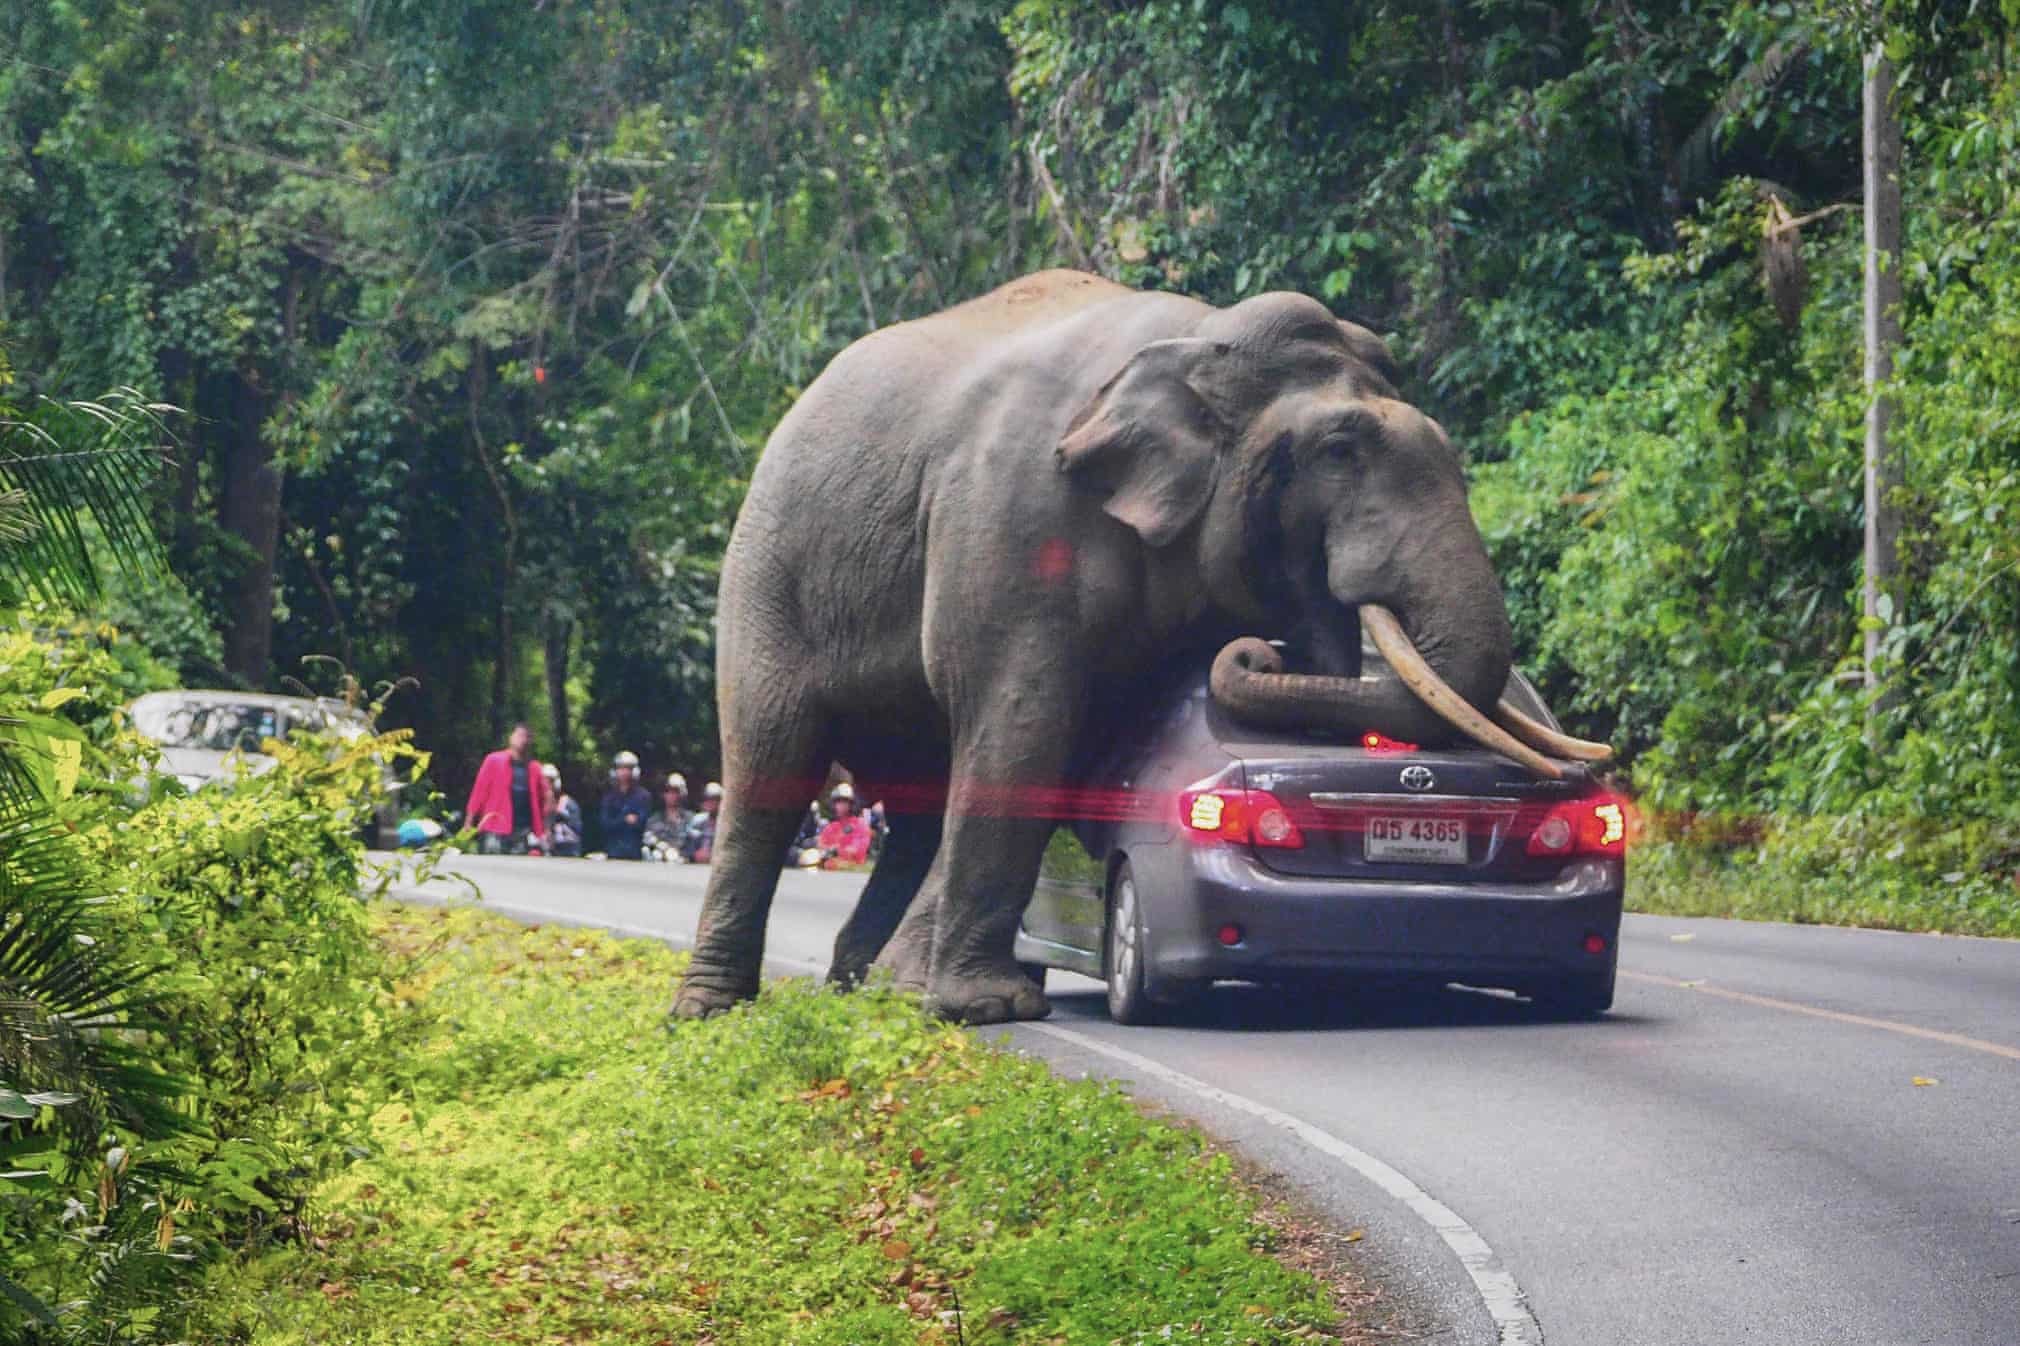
{"type": "Point", "coordinates": [205, 736]}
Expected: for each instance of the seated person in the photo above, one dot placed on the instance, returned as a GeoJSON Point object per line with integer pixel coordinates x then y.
{"type": "Point", "coordinates": [624, 809]}
{"type": "Point", "coordinates": [564, 817]}
{"type": "Point", "coordinates": [697, 843]}
{"type": "Point", "coordinates": [664, 829]}
{"type": "Point", "coordinates": [846, 838]}
{"type": "Point", "coordinates": [802, 851]}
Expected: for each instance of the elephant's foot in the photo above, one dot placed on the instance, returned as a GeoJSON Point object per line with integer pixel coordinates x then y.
{"type": "Point", "coordinates": [848, 973]}
{"type": "Point", "coordinates": [700, 997]}
{"type": "Point", "coordinates": [994, 997]}
{"type": "Point", "coordinates": [908, 960]}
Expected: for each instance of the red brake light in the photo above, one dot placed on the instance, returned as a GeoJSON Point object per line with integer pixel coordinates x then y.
{"type": "Point", "coordinates": [1239, 816]}
{"type": "Point", "coordinates": [1379, 742]}
{"type": "Point", "coordinates": [1594, 826]}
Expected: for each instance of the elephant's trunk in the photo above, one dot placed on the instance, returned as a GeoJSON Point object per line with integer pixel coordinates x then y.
{"type": "Point", "coordinates": [1418, 703]}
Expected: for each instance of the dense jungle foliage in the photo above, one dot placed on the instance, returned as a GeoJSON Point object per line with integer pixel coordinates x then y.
{"type": "Point", "coordinates": [481, 313]}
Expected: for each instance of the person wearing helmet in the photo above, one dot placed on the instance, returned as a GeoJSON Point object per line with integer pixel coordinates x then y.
{"type": "Point", "coordinates": [564, 818]}
{"type": "Point", "coordinates": [846, 838]}
{"type": "Point", "coordinates": [666, 826]}
{"type": "Point", "coordinates": [697, 843]}
{"type": "Point", "coordinates": [623, 810]}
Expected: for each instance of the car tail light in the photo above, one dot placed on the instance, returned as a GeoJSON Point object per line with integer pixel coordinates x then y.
{"type": "Point", "coordinates": [1238, 816]}
{"type": "Point", "coordinates": [1375, 742]}
{"type": "Point", "coordinates": [1593, 826]}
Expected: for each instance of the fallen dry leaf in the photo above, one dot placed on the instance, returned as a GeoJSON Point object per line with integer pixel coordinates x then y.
{"type": "Point", "coordinates": [1923, 1081]}
{"type": "Point", "coordinates": [897, 1249]}
{"type": "Point", "coordinates": [1685, 937]}
{"type": "Point", "coordinates": [1356, 1235]}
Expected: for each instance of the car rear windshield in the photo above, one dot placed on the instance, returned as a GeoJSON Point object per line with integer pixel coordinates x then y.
{"type": "Point", "coordinates": [219, 726]}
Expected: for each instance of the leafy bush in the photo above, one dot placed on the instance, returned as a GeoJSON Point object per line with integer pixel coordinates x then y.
{"type": "Point", "coordinates": [229, 926]}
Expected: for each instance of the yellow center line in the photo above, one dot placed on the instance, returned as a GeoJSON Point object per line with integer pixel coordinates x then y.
{"type": "Point", "coordinates": [1837, 1016]}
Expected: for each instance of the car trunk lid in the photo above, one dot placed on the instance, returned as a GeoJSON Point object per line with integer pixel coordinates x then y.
{"type": "Point", "coordinates": [1460, 815]}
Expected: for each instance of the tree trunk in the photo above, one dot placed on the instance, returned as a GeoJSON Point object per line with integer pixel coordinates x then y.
{"type": "Point", "coordinates": [1883, 334]}
{"type": "Point", "coordinates": [250, 509]}
{"type": "Point", "coordinates": [559, 630]}
{"type": "Point", "coordinates": [476, 385]}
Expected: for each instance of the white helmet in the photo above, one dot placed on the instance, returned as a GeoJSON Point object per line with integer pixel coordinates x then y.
{"type": "Point", "coordinates": [843, 790]}
{"type": "Point", "coordinates": [551, 771]}
{"type": "Point", "coordinates": [676, 781]}
{"type": "Point", "coordinates": [711, 791]}
{"type": "Point", "coordinates": [626, 758]}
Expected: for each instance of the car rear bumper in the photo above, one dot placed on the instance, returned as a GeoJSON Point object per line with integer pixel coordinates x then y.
{"type": "Point", "coordinates": [1309, 927]}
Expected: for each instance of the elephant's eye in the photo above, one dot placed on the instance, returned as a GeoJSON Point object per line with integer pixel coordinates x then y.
{"type": "Point", "coordinates": [1340, 448]}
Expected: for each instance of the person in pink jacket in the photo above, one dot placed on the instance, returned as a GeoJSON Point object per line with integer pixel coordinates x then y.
{"type": "Point", "coordinates": [846, 838]}
{"type": "Point", "coordinates": [508, 803]}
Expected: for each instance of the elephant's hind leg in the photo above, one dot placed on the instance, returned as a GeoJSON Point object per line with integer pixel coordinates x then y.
{"type": "Point", "coordinates": [769, 774]}
{"type": "Point", "coordinates": [908, 855]}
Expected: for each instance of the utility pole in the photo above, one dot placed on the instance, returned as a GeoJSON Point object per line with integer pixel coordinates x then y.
{"type": "Point", "coordinates": [1883, 335]}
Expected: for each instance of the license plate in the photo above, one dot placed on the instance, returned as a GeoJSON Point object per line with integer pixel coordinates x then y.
{"type": "Point", "coordinates": [1422, 841]}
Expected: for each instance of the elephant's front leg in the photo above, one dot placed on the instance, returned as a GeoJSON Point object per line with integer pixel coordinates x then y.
{"type": "Point", "coordinates": [1001, 805]}
{"type": "Point", "coordinates": [990, 863]}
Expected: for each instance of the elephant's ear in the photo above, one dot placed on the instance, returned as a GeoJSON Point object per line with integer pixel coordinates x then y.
{"type": "Point", "coordinates": [1150, 441]}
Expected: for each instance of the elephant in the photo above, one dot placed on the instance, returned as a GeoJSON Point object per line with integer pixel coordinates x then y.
{"type": "Point", "coordinates": [976, 528]}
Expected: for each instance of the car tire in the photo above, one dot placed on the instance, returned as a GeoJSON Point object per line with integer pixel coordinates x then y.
{"type": "Point", "coordinates": [1579, 995]}
{"type": "Point", "coordinates": [1123, 957]}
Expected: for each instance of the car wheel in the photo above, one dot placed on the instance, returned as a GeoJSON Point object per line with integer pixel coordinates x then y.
{"type": "Point", "coordinates": [1579, 995]}
{"type": "Point", "coordinates": [1123, 956]}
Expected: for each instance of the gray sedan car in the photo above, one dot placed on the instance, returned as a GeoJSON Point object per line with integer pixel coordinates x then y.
{"type": "Point", "coordinates": [1207, 850]}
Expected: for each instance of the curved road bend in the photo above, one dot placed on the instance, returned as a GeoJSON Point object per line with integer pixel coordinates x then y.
{"type": "Point", "coordinates": [1741, 1152]}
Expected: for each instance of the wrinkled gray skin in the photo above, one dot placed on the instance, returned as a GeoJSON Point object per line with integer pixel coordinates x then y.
{"type": "Point", "coordinates": [975, 525]}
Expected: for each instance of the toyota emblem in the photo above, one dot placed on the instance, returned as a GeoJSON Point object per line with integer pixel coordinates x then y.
{"type": "Point", "coordinates": [1418, 778]}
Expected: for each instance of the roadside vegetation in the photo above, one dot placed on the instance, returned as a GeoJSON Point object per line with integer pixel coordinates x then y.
{"type": "Point", "coordinates": [191, 1002]}
{"type": "Point", "coordinates": [548, 1162]}
{"type": "Point", "coordinates": [193, 1009]}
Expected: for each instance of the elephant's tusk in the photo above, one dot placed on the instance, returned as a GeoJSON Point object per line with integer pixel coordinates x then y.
{"type": "Point", "coordinates": [1417, 674]}
{"type": "Point", "coordinates": [1545, 739]}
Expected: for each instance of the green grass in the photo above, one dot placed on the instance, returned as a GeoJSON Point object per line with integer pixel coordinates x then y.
{"type": "Point", "coordinates": [1680, 879]}
{"type": "Point", "coordinates": [555, 1164]}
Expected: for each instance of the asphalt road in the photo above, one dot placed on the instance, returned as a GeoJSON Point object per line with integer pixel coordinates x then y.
{"type": "Point", "coordinates": [1782, 1134]}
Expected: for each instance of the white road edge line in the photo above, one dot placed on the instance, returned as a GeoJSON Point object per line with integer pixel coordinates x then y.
{"type": "Point", "coordinates": [1506, 1305]}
